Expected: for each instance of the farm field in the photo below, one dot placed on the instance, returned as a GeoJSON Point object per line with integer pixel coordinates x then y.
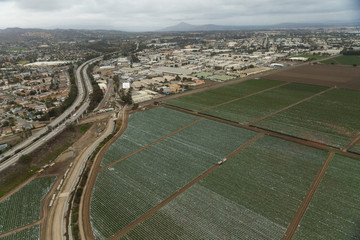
{"type": "Point", "coordinates": [331, 118]}
{"type": "Point", "coordinates": [356, 148]}
{"type": "Point", "coordinates": [144, 128]}
{"type": "Point", "coordinates": [202, 100]}
{"type": "Point", "coordinates": [321, 74]}
{"type": "Point", "coordinates": [334, 210]}
{"type": "Point", "coordinates": [32, 233]}
{"type": "Point", "coordinates": [253, 195]}
{"type": "Point", "coordinates": [135, 185]}
{"type": "Point", "coordinates": [192, 216]}
{"type": "Point", "coordinates": [23, 207]}
{"type": "Point", "coordinates": [344, 60]}
{"type": "Point", "coordinates": [252, 108]}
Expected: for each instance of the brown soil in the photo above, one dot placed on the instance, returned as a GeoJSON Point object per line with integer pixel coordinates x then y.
{"type": "Point", "coordinates": [305, 203]}
{"type": "Point", "coordinates": [207, 87]}
{"type": "Point", "coordinates": [95, 118]}
{"type": "Point", "coordinates": [321, 74]}
{"type": "Point", "coordinates": [178, 192]}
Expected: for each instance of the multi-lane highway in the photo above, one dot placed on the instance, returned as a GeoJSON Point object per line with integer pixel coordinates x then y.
{"type": "Point", "coordinates": [70, 115]}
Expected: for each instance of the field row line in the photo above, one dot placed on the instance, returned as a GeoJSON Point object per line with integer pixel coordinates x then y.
{"type": "Point", "coordinates": [147, 146]}
{"type": "Point", "coordinates": [306, 201]}
{"type": "Point", "coordinates": [243, 97]}
{"type": "Point", "coordinates": [152, 211]}
{"type": "Point", "coordinates": [20, 228]}
{"type": "Point", "coordinates": [352, 143]}
{"type": "Point", "coordinates": [302, 141]}
{"type": "Point", "coordinates": [290, 106]}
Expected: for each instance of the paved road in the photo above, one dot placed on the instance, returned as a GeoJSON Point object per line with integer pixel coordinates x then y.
{"type": "Point", "coordinates": [59, 123]}
{"type": "Point", "coordinates": [230, 82]}
{"type": "Point", "coordinates": [56, 225]}
{"type": "Point", "coordinates": [84, 209]}
{"type": "Point", "coordinates": [107, 95]}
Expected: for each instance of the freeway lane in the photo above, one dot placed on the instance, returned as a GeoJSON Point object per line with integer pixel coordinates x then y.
{"type": "Point", "coordinates": [29, 145]}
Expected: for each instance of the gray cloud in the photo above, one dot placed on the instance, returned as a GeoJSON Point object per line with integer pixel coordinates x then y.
{"type": "Point", "coordinates": [145, 14]}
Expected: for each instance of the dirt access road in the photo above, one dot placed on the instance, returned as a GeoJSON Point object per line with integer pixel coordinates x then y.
{"type": "Point", "coordinates": [54, 225]}
{"type": "Point", "coordinates": [84, 208]}
{"type": "Point", "coordinates": [153, 210]}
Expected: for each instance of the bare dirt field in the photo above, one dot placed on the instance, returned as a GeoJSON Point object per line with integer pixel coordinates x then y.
{"type": "Point", "coordinates": [321, 74]}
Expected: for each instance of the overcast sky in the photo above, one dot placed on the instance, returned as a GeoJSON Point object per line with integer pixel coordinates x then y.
{"type": "Point", "coordinates": [142, 15]}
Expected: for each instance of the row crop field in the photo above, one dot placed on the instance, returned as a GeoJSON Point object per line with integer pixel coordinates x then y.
{"type": "Point", "coordinates": [144, 128]}
{"type": "Point", "coordinates": [32, 233]}
{"type": "Point", "coordinates": [203, 214]}
{"type": "Point", "coordinates": [23, 207]}
{"type": "Point", "coordinates": [253, 195]}
{"type": "Point", "coordinates": [344, 60]}
{"type": "Point", "coordinates": [254, 107]}
{"type": "Point", "coordinates": [331, 118]}
{"type": "Point", "coordinates": [135, 185]}
{"type": "Point", "coordinates": [202, 100]}
{"type": "Point", "coordinates": [334, 211]}
{"type": "Point", "coordinates": [356, 147]}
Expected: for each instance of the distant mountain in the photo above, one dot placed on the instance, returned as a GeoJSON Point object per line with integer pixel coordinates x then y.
{"type": "Point", "coordinates": [185, 27]}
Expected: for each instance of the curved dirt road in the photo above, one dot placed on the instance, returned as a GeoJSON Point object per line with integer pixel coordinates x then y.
{"type": "Point", "coordinates": [55, 225]}
{"type": "Point", "coordinates": [84, 209]}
